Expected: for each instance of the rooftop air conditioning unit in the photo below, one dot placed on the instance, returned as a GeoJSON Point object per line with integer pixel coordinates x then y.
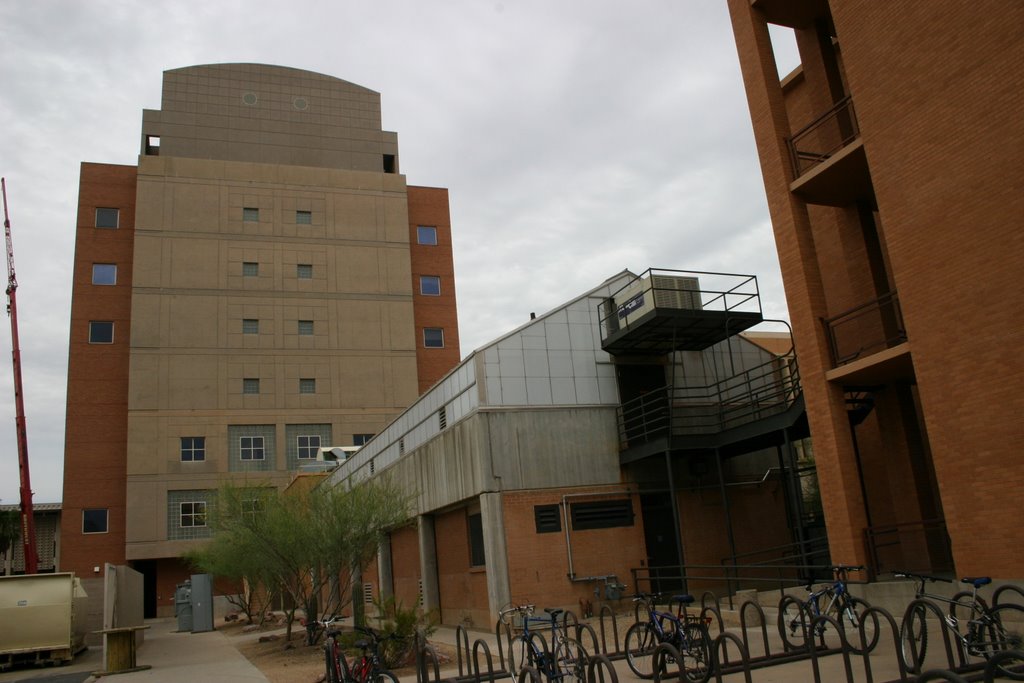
{"type": "Point", "coordinates": [328, 458]}
{"type": "Point", "coordinates": [658, 291]}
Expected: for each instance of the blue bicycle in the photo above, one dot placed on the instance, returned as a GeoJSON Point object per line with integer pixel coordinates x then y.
{"type": "Point", "coordinates": [565, 661]}
{"type": "Point", "coordinates": [795, 615]}
{"type": "Point", "coordinates": [687, 634]}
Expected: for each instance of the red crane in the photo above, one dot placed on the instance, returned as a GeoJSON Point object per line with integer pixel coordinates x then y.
{"type": "Point", "coordinates": [28, 526]}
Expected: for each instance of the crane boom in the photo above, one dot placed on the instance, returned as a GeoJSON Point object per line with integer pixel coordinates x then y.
{"type": "Point", "coordinates": [28, 527]}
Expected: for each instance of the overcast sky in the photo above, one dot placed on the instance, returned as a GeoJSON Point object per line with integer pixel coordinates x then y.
{"type": "Point", "coordinates": [576, 137]}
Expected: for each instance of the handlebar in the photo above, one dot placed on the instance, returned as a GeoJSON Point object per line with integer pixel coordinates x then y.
{"type": "Point", "coordinates": [525, 609]}
{"type": "Point", "coordinates": [920, 577]}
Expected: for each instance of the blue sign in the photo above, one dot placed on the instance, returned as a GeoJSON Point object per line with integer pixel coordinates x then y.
{"type": "Point", "coordinates": [631, 305]}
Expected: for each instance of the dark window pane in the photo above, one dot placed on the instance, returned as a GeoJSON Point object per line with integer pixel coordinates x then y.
{"type": "Point", "coordinates": [101, 332]}
{"type": "Point", "coordinates": [94, 521]}
{"type": "Point", "coordinates": [476, 541]}
{"type": "Point", "coordinates": [433, 337]}
{"type": "Point", "coordinates": [426, 234]}
{"type": "Point", "coordinates": [107, 218]}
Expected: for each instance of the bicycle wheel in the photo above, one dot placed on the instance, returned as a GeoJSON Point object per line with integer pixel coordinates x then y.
{"type": "Point", "coordinates": [640, 643]}
{"type": "Point", "coordinates": [914, 638]}
{"type": "Point", "coordinates": [696, 653]}
{"type": "Point", "coordinates": [331, 663]}
{"type": "Point", "coordinates": [383, 676]}
{"type": "Point", "coordinates": [851, 614]}
{"type": "Point", "coordinates": [571, 660]}
{"type": "Point", "coordinates": [1003, 632]}
{"type": "Point", "coordinates": [520, 654]}
{"type": "Point", "coordinates": [794, 622]}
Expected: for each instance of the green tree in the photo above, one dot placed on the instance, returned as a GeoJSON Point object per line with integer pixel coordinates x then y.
{"type": "Point", "coordinates": [306, 542]}
{"type": "Point", "coordinates": [10, 529]}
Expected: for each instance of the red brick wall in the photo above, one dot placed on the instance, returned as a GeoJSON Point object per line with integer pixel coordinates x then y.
{"type": "Point", "coordinates": [97, 395]}
{"type": "Point", "coordinates": [429, 206]}
{"type": "Point", "coordinates": [405, 565]}
{"type": "Point", "coordinates": [539, 563]}
{"type": "Point", "coordinates": [463, 589]}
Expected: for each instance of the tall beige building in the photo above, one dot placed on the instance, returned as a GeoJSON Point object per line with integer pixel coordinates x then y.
{"type": "Point", "coordinates": [262, 284]}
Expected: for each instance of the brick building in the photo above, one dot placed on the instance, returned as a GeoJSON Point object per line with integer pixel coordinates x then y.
{"type": "Point", "coordinates": [634, 417]}
{"type": "Point", "coordinates": [892, 164]}
{"type": "Point", "coordinates": [262, 283]}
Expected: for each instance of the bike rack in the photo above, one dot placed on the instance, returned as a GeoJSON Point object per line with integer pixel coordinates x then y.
{"type": "Point", "coordinates": [658, 661]}
{"type": "Point", "coordinates": [1007, 588]}
{"type": "Point", "coordinates": [718, 666]}
{"type": "Point", "coordinates": [615, 631]}
{"type": "Point", "coordinates": [599, 664]}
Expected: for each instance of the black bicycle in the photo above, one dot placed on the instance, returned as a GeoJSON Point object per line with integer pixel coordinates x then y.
{"type": "Point", "coordinates": [835, 601]}
{"type": "Point", "coordinates": [688, 634]}
{"type": "Point", "coordinates": [367, 669]}
{"type": "Point", "coordinates": [564, 662]}
{"type": "Point", "coordinates": [982, 631]}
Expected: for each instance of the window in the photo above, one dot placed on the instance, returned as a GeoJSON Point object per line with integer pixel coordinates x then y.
{"type": "Point", "coordinates": [250, 269]}
{"type": "Point", "coordinates": [107, 218]}
{"type": "Point", "coordinates": [426, 234]}
{"type": "Point", "coordinates": [104, 274]}
{"type": "Point", "coordinates": [251, 448]}
{"type": "Point", "coordinates": [250, 326]}
{"type": "Point", "coordinates": [361, 439]}
{"type": "Point", "coordinates": [476, 541]}
{"type": "Point", "coordinates": [306, 328]}
{"type": "Point", "coordinates": [433, 337]}
{"type": "Point", "coordinates": [101, 332]}
{"type": "Point", "coordinates": [193, 448]}
{"type": "Point", "coordinates": [304, 217]}
{"type": "Point", "coordinates": [153, 145]}
{"type": "Point", "coordinates": [94, 521]}
{"type": "Point", "coordinates": [251, 215]}
{"type": "Point", "coordinates": [193, 514]}
{"type": "Point", "coordinates": [602, 514]}
{"type": "Point", "coordinates": [307, 446]}
{"type": "Point", "coordinates": [250, 385]}
{"type": "Point", "coordinates": [304, 271]}
{"type": "Point", "coordinates": [430, 285]}
{"type": "Point", "coordinates": [548, 518]}
{"type": "Point", "coordinates": [250, 507]}
{"type": "Point", "coordinates": [307, 386]}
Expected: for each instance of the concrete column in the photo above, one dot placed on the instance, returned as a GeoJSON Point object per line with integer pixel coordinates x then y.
{"type": "Point", "coordinates": [428, 565]}
{"type": "Point", "coordinates": [385, 578]}
{"type": "Point", "coordinates": [358, 606]}
{"type": "Point", "coordinates": [495, 552]}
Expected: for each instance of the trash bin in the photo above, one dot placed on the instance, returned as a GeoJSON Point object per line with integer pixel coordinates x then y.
{"type": "Point", "coordinates": [202, 603]}
{"type": "Point", "coordinates": [183, 606]}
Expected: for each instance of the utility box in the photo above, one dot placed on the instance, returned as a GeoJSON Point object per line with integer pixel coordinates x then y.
{"type": "Point", "coordinates": [42, 618]}
{"type": "Point", "coordinates": [183, 606]}
{"type": "Point", "coordinates": [202, 603]}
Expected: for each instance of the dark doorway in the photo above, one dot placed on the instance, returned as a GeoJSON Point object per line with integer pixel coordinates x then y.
{"type": "Point", "coordinates": [148, 570]}
{"type": "Point", "coordinates": [660, 537]}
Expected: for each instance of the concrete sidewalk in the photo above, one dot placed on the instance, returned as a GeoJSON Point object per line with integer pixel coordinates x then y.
{"type": "Point", "coordinates": [192, 657]}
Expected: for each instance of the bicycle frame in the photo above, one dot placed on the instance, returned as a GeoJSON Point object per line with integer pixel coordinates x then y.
{"type": "Point", "coordinates": [978, 616]}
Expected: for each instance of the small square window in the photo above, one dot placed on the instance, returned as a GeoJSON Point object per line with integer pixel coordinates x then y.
{"type": "Point", "coordinates": [101, 332]}
{"type": "Point", "coordinates": [252, 507]}
{"type": "Point", "coordinates": [94, 521]}
{"type": "Point", "coordinates": [304, 217]}
{"type": "Point", "coordinates": [306, 328]}
{"type": "Point", "coordinates": [250, 326]}
{"type": "Point", "coordinates": [104, 274]}
{"type": "Point", "coordinates": [307, 446]}
{"type": "Point", "coordinates": [107, 218]}
{"type": "Point", "coordinates": [250, 269]}
{"type": "Point", "coordinates": [426, 234]}
{"type": "Point", "coordinates": [304, 271]}
{"type": "Point", "coordinates": [251, 215]}
{"type": "Point", "coordinates": [250, 386]}
{"type": "Point", "coordinates": [361, 439]}
{"type": "Point", "coordinates": [430, 285]}
{"type": "Point", "coordinates": [433, 337]}
{"type": "Point", "coordinates": [193, 448]}
{"type": "Point", "coordinates": [193, 514]}
{"type": "Point", "coordinates": [307, 386]}
{"type": "Point", "coordinates": [250, 448]}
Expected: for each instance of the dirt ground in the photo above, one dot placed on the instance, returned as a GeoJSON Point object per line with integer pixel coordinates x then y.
{"type": "Point", "coordinates": [284, 661]}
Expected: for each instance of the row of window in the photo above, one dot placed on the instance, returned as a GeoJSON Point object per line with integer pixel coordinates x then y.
{"type": "Point", "coordinates": [303, 271]}
{"type": "Point", "coordinates": [193, 448]}
{"type": "Point", "coordinates": [102, 332]}
{"type": "Point", "coordinates": [108, 217]}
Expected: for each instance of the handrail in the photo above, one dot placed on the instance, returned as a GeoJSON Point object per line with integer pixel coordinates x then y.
{"type": "Point", "coordinates": [844, 116]}
{"type": "Point", "coordinates": [882, 332]}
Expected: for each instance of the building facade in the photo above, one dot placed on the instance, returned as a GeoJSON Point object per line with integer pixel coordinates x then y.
{"type": "Point", "coordinates": [262, 284]}
{"type": "Point", "coordinates": [892, 164]}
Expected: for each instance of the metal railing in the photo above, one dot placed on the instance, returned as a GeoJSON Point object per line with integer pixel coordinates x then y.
{"type": "Point", "coordinates": [816, 142]}
{"type": "Point", "coordinates": [765, 390]}
{"type": "Point", "coordinates": [917, 546]}
{"type": "Point", "coordinates": [865, 329]}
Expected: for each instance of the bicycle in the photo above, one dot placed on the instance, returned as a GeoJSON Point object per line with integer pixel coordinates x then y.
{"type": "Point", "coordinates": [989, 629]}
{"type": "Point", "coordinates": [796, 616]}
{"type": "Point", "coordinates": [367, 669]}
{"type": "Point", "coordinates": [687, 634]}
{"type": "Point", "coordinates": [565, 662]}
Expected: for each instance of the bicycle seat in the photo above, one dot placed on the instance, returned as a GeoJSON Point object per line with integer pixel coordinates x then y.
{"type": "Point", "coordinates": [553, 612]}
{"type": "Point", "coordinates": [977, 581]}
{"type": "Point", "coordinates": [685, 599]}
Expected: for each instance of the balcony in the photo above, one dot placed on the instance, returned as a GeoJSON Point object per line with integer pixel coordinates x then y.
{"type": "Point", "coordinates": [869, 343]}
{"type": "Point", "coordinates": [829, 164]}
{"type": "Point", "coordinates": [661, 311]}
{"type": "Point", "coordinates": [749, 397]}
